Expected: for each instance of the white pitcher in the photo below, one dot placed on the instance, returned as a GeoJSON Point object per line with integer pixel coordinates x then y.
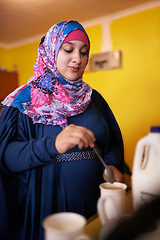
{"type": "Point", "coordinates": [146, 169]}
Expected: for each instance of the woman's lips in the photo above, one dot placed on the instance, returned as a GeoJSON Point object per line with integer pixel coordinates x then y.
{"type": "Point", "coordinates": [74, 69]}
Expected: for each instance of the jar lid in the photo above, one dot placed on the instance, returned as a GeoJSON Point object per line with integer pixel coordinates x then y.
{"type": "Point", "coordinates": [155, 129]}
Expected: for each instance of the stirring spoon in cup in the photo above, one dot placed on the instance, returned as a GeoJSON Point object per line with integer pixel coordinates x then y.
{"type": "Point", "coordinates": [108, 171]}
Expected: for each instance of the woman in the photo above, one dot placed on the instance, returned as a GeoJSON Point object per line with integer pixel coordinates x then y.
{"type": "Point", "coordinates": [48, 129]}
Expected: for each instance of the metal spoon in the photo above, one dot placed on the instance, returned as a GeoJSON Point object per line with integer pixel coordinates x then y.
{"type": "Point", "coordinates": [108, 171]}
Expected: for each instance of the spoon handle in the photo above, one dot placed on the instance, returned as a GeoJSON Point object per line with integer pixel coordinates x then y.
{"type": "Point", "coordinates": [108, 171]}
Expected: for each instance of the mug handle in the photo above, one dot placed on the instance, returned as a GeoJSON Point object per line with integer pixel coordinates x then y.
{"type": "Point", "coordinates": [101, 208]}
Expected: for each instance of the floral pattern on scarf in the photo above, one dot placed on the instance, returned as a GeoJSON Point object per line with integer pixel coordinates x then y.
{"type": "Point", "coordinates": [47, 97]}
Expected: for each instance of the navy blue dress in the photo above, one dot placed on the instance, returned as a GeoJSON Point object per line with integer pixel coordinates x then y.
{"type": "Point", "coordinates": [34, 183]}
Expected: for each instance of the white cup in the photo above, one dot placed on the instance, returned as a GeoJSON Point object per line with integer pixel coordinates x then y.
{"type": "Point", "coordinates": [65, 226]}
{"type": "Point", "coordinates": [112, 201]}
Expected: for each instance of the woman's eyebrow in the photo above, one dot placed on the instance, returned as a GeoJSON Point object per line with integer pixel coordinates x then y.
{"type": "Point", "coordinates": [68, 43]}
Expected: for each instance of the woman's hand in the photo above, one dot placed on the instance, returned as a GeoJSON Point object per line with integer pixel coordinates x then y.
{"type": "Point", "coordinates": [119, 177]}
{"type": "Point", "coordinates": [74, 135]}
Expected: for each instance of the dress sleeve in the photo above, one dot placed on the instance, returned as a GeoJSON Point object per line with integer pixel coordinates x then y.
{"type": "Point", "coordinates": [114, 152]}
{"type": "Point", "coordinates": [19, 153]}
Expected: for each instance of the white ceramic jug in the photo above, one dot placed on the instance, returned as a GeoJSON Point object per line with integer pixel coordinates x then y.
{"type": "Point", "coordinates": [146, 169]}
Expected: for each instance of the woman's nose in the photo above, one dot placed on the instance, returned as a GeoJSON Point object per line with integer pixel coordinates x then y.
{"type": "Point", "coordinates": [76, 57]}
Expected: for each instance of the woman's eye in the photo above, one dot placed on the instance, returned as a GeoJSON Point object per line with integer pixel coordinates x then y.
{"type": "Point", "coordinates": [68, 50]}
{"type": "Point", "coordinates": [84, 53]}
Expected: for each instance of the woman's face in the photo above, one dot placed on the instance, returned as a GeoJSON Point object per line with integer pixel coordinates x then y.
{"type": "Point", "coordinates": [72, 59]}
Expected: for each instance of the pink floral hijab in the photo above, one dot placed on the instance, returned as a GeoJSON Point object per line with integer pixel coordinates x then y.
{"type": "Point", "coordinates": [48, 98]}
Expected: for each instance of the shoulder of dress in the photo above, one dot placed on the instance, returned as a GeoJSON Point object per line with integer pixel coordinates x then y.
{"type": "Point", "coordinates": [9, 113]}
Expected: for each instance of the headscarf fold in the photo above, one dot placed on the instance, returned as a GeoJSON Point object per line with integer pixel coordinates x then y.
{"type": "Point", "coordinates": [47, 97]}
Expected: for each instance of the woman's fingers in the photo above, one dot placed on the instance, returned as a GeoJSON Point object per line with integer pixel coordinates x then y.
{"type": "Point", "coordinates": [119, 177]}
{"type": "Point", "coordinates": [84, 136]}
{"type": "Point", "coordinates": [74, 135]}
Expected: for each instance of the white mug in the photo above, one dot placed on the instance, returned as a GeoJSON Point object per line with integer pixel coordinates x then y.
{"type": "Point", "coordinates": [65, 226]}
{"type": "Point", "coordinates": [112, 201]}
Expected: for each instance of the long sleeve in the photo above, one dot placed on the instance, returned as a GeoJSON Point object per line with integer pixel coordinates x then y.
{"type": "Point", "coordinates": [114, 152]}
{"type": "Point", "coordinates": [19, 150]}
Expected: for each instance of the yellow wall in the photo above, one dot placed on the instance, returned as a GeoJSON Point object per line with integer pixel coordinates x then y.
{"type": "Point", "coordinates": [23, 57]}
{"type": "Point", "coordinates": [4, 58]}
{"type": "Point", "coordinates": [132, 91]}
